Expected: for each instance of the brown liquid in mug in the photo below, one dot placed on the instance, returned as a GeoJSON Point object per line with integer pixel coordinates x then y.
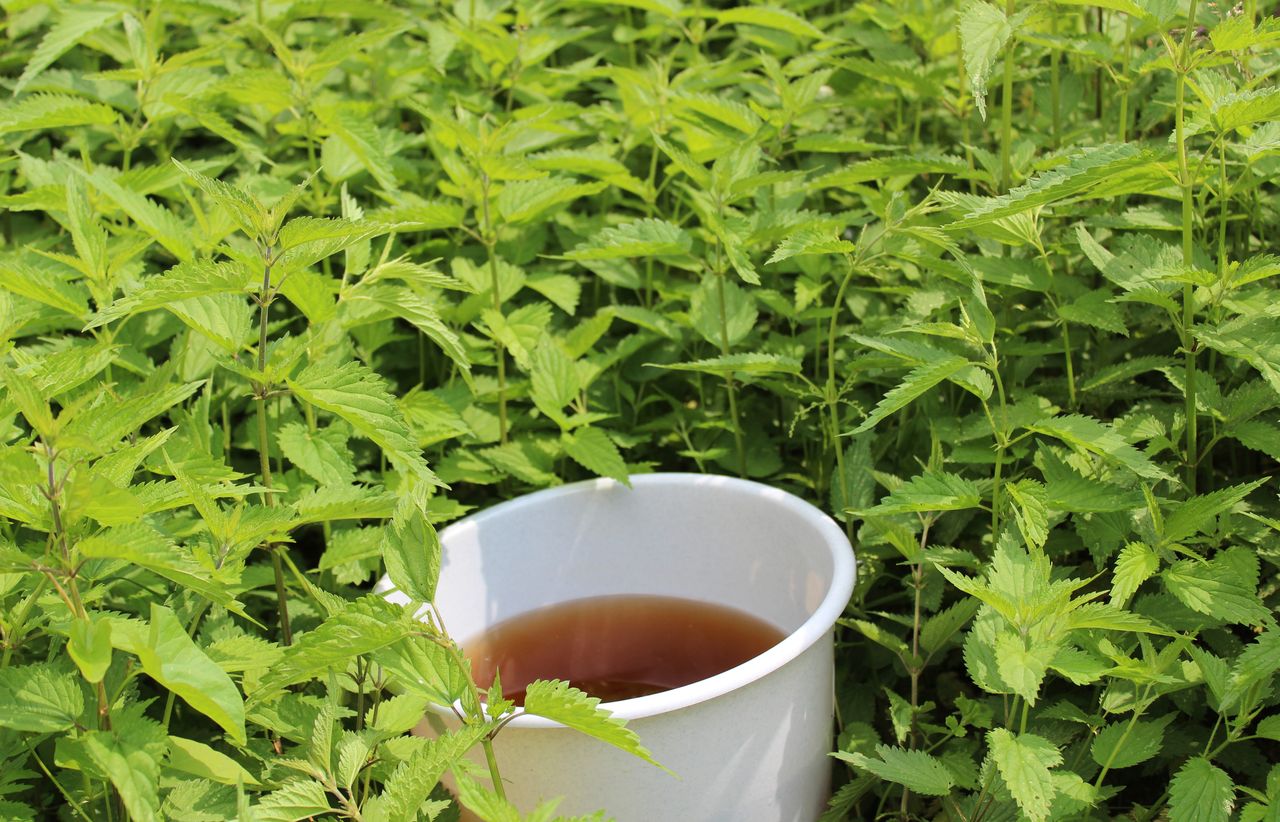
{"type": "Point", "coordinates": [618, 647]}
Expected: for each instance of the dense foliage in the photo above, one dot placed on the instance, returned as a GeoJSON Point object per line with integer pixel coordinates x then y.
{"type": "Point", "coordinates": [283, 284]}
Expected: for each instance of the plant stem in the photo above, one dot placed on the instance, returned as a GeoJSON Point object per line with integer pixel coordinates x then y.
{"type": "Point", "coordinates": [729, 382]}
{"type": "Point", "coordinates": [833, 399]}
{"type": "Point", "coordinates": [499, 351]}
{"type": "Point", "coordinates": [1006, 107]}
{"type": "Point", "coordinates": [1188, 201]}
{"type": "Point", "coordinates": [261, 390]}
{"type": "Point", "coordinates": [1055, 58]}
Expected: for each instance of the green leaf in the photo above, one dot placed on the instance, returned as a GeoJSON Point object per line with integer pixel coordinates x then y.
{"type": "Point", "coordinates": [1256, 340]}
{"type": "Point", "coordinates": [175, 662]}
{"type": "Point", "coordinates": [74, 23]}
{"type": "Point", "coordinates": [917, 771]}
{"type": "Point", "coordinates": [198, 759]}
{"type": "Point", "coordinates": [705, 109]}
{"type": "Point", "coordinates": [739, 311]}
{"type": "Point", "coordinates": [642, 238]}
{"type": "Point", "coordinates": [1124, 744]}
{"type": "Point", "coordinates": [132, 768]}
{"type": "Point", "coordinates": [1241, 109]}
{"type": "Point", "coordinates": [1088, 434]}
{"type": "Point", "coordinates": [1136, 564]}
{"type": "Point", "coordinates": [526, 200]}
{"type": "Point", "coordinates": [1216, 588]}
{"type": "Point", "coordinates": [322, 454]}
{"type": "Point", "coordinates": [930, 491]}
{"type": "Point", "coordinates": [1024, 761]}
{"type": "Point", "coordinates": [592, 449]}
{"type": "Point", "coordinates": [1198, 513]}
{"type": "Point", "coordinates": [296, 800]}
{"type": "Point", "coordinates": [52, 111]}
{"type": "Point", "coordinates": [1022, 663]}
{"type": "Point", "coordinates": [39, 698]}
{"type": "Point", "coordinates": [413, 780]}
{"type": "Point", "coordinates": [89, 646]}
{"type": "Point", "coordinates": [809, 241]}
{"type": "Point", "coordinates": [411, 551]}
{"type": "Point", "coordinates": [569, 706]}
{"type": "Point", "coordinates": [770, 17]}
{"type": "Point", "coordinates": [360, 397]}
{"type": "Point", "coordinates": [913, 386]}
{"type": "Point", "coordinates": [1200, 792]}
{"type": "Point", "coordinates": [984, 31]}
{"type": "Point", "coordinates": [942, 626]}
{"type": "Point", "coordinates": [1269, 727]}
{"type": "Point", "coordinates": [1072, 179]}
{"type": "Point", "coordinates": [738, 364]}
{"type": "Point", "coordinates": [555, 382]}
{"type": "Point", "coordinates": [1029, 511]}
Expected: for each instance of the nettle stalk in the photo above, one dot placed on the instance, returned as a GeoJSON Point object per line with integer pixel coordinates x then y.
{"type": "Point", "coordinates": [261, 390]}
{"type": "Point", "coordinates": [1181, 67]}
{"type": "Point", "coordinates": [489, 237]}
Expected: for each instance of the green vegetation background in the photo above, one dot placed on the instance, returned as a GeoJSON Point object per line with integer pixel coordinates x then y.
{"type": "Point", "coordinates": [283, 285]}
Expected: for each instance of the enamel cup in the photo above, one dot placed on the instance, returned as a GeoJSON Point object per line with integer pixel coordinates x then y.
{"type": "Point", "coordinates": [747, 745]}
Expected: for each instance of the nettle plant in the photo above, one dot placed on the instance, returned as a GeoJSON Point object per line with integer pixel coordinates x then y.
{"type": "Point", "coordinates": [993, 283]}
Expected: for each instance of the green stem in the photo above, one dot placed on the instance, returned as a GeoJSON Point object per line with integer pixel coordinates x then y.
{"type": "Point", "coordinates": [500, 351]}
{"type": "Point", "coordinates": [1006, 107]}
{"type": "Point", "coordinates": [1188, 202]}
{"type": "Point", "coordinates": [261, 390]}
{"type": "Point", "coordinates": [1055, 58]}
{"type": "Point", "coordinates": [729, 382]}
{"type": "Point", "coordinates": [833, 399]}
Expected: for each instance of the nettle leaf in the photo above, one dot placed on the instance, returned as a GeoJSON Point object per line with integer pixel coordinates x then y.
{"type": "Point", "coordinates": [642, 238]}
{"type": "Point", "coordinates": [930, 491]}
{"type": "Point", "coordinates": [1093, 436]}
{"type": "Point", "coordinates": [942, 626]}
{"type": "Point", "coordinates": [1256, 340]}
{"type": "Point", "coordinates": [360, 397]}
{"type": "Point", "coordinates": [411, 551]}
{"type": "Point", "coordinates": [560, 702]}
{"type": "Point", "coordinates": [1200, 792]}
{"type": "Point", "coordinates": [913, 386]}
{"type": "Point", "coordinates": [297, 799]}
{"type": "Point", "coordinates": [555, 382]}
{"type": "Point", "coordinates": [984, 32]}
{"type": "Point", "coordinates": [1216, 588]}
{"type": "Point", "coordinates": [173, 660]}
{"type": "Point", "coordinates": [592, 449]}
{"type": "Point", "coordinates": [1024, 761]}
{"type": "Point", "coordinates": [1030, 511]}
{"type": "Point", "coordinates": [738, 364]}
{"type": "Point", "coordinates": [39, 698]}
{"type": "Point", "coordinates": [809, 241]}
{"type": "Point", "coordinates": [1136, 563]}
{"type": "Point", "coordinates": [1127, 743]}
{"type": "Point", "coordinates": [50, 111]}
{"type": "Point", "coordinates": [74, 24]}
{"type": "Point", "coordinates": [1199, 513]}
{"type": "Point", "coordinates": [132, 765]}
{"type": "Point", "coordinates": [526, 200]}
{"type": "Point", "coordinates": [413, 779]}
{"type": "Point", "coordinates": [1240, 109]}
{"type": "Point", "coordinates": [1023, 662]}
{"type": "Point", "coordinates": [917, 771]}
{"type": "Point", "coordinates": [1072, 179]}
{"type": "Point", "coordinates": [322, 454]}
{"type": "Point", "coordinates": [771, 17]}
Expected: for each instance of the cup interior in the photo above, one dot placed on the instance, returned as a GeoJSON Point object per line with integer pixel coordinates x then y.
{"type": "Point", "coordinates": [715, 539]}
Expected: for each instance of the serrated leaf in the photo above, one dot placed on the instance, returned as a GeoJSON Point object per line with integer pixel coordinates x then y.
{"type": "Point", "coordinates": [809, 241]}
{"type": "Point", "coordinates": [942, 626]}
{"type": "Point", "coordinates": [1192, 516]}
{"type": "Point", "coordinates": [412, 781]}
{"type": "Point", "coordinates": [74, 23]}
{"type": "Point", "coordinates": [1093, 436]}
{"type": "Point", "coordinates": [322, 454]}
{"type": "Point", "coordinates": [1071, 179]}
{"type": "Point", "coordinates": [1030, 511]}
{"type": "Point", "coordinates": [642, 238]}
{"type": "Point", "coordinates": [1127, 743]}
{"type": "Point", "coordinates": [39, 698]}
{"type": "Point", "coordinates": [295, 800]}
{"type": "Point", "coordinates": [1215, 588]}
{"type": "Point", "coordinates": [411, 551]}
{"type": "Point", "coordinates": [770, 17]}
{"type": "Point", "coordinates": [1240, 109]}
{"type": "Point", "coordinates": [1024, 761]}
{"type": "Point", "coordinates": [738, 364]}
{"type": "Point", "coordinates": [984, 31]}
{"type": "Point", "coordinates": [359, 396]}
{"type": "Point", "coordinates": [52, 111]}
{"type": "Point", "coordinates": [1256, 340]}
{"type": "Point", "coordinates": [592, 449]}
{"type": "Point", "coordinates": [175, 662]}
{"type": "Point", "coordinates": [930, 491]}
{"type": "Point", "coordinates": [131, 767]}
{"type": "Point", "coordinates": [1022, 663]}
{"type": "Point", "coordinates": [917, 771]}
{"type": "Point", "coordinates": [526, 200]}
{"type": "Point", "coordinates": [1136, 564]}
{"type": "Point", "coordinates": [1200, 792]}
{"type": "Point", "coordinates": [560, 702]}
{"type": "Point", "coordinates": [702, 107]}
{"type": "Point", "coordinates": [89, 646]}
{"type": "Point", "coordinates": [200, 760]}
{"type": "Point", "coordinates": [914, 385]}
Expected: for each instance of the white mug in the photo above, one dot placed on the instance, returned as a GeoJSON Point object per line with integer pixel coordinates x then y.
{"type": "Point", "coordinates": [750, 744]}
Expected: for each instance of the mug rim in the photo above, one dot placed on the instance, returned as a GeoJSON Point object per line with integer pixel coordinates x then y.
{"type": "Point", "coordinates": [816, 626]}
